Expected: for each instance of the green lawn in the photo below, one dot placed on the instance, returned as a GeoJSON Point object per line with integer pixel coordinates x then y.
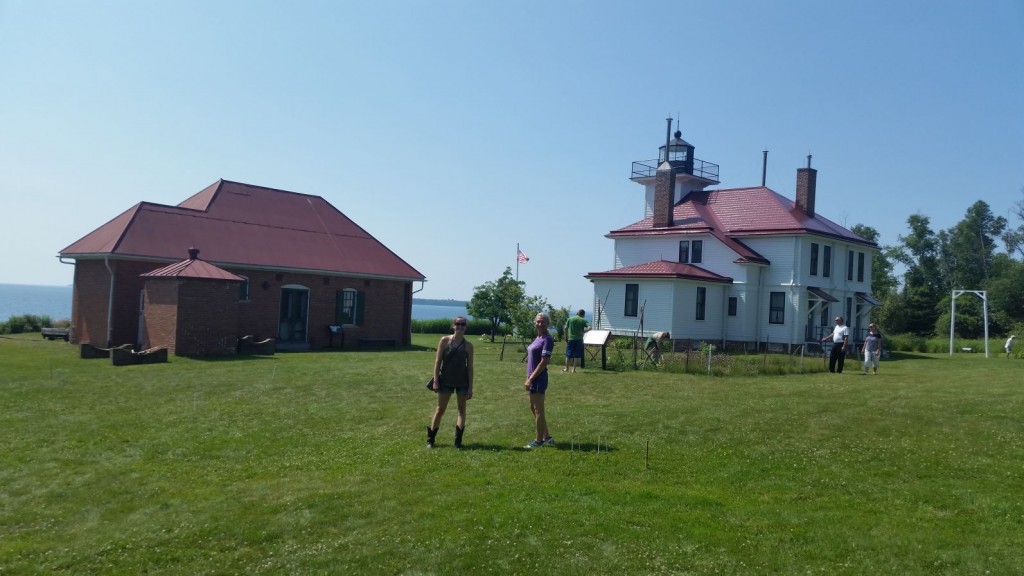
{"type": "Point", "coordinates": [314, 463]}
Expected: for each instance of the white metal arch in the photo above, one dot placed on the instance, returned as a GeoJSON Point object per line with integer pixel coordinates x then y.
{"type": "Point", "coordinates": [952, 316]}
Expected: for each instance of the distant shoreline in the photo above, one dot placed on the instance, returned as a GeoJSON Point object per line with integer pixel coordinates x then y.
{"type": "Point", "coordinates": [433, 302]}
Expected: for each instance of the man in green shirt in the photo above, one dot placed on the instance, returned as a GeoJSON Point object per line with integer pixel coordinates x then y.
{"type": "Point", "coordinates": [575, 326]}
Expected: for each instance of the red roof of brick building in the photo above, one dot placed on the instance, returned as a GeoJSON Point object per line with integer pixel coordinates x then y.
{"type": "Point", "coordinates": [242, 225]}
{"type": "Point", "coordinates": [738, 212]}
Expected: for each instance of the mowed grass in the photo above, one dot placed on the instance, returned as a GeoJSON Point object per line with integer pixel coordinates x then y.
{"type": "Point", "coordinates": [314, 463]}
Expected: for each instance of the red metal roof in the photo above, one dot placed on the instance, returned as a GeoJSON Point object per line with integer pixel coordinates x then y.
{"type": "Point", "coordinates": [662, 269]}
{"type": "Point", "coordinates": [741, 212]}
{"type": "Point", "coordinates": [241, 225]}
{"type": "Point", "coordinates": [193, 268]}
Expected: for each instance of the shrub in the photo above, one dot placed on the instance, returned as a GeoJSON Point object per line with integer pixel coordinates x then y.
{"type": "Point", "coordinates": [625, 342]}
{"type": "Point", "coordinates": [25, 323]}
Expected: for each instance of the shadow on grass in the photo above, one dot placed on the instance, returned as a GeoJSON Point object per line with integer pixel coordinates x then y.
{"type": "Point", "coordinates": [243, 357]}
{"type": "Point", "coordinates": [235, 358]}
{"type": "Point", "coordinates": [478, 447]}
{"type": "Point", "coordinates": [908, 356]}
{"type": "Point", "coordinates": [410, 348]}
{"type": "Point", "coordinates": [562, 447]}
{"type": "Point", "coordinates": [585, 447]}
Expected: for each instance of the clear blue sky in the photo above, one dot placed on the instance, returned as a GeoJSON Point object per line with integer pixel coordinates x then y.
{"type": "Point", "coordinates": [453, 130]}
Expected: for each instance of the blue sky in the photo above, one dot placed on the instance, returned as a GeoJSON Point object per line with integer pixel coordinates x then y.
{"type": "Point", "coordinates": [451, 130]}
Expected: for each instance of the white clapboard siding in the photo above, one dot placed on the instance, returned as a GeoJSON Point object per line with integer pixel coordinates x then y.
{"type": "Point", "coordinates": [671, 303]}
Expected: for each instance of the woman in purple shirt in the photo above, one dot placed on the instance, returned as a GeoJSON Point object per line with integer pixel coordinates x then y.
{"type": "Point", "coordinates": [538, 355]}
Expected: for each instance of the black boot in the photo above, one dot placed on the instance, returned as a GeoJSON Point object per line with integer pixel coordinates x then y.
{"type": "Point", "coordinates": [430, 436]}
{"type": "Point", "coordinates": [458, 437]}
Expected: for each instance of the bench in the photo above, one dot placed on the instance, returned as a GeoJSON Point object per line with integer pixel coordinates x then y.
{"type": "Point", "coordinates": [249, 346]}
{"type": "Point", "coordinates": [331, 331]}
{"type": "Point", "coordinates": [126, 357]}
{"type": "Point", "coordinates": [88, 351]}
{"type": "Point", "coordinates": [55, 333]}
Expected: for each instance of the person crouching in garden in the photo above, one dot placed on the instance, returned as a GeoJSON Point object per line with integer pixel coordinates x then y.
{"type": "Point", "coordinates": [453, 373]}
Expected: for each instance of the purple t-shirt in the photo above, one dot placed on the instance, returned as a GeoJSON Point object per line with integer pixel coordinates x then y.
{"type": "Point", "coordinates": [540, 347]}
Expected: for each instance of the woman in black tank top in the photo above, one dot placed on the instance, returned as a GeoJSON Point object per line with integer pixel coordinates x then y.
{"type": "Point", "coordinates": [453, 373]}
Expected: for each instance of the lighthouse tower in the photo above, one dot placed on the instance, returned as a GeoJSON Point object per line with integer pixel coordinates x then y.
{"type": "Point", "coordinates": [671, 177]}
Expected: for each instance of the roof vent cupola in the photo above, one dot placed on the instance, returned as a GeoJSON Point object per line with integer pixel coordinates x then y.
{"type": "Point", "coordinates": [193, 253]}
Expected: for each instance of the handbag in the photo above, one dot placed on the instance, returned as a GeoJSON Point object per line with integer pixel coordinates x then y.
{"type": "Point", "coordinates": [430, 383]}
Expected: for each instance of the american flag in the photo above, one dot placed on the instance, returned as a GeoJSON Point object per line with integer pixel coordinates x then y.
{"type": "Point", "coordinates": [521, 257]}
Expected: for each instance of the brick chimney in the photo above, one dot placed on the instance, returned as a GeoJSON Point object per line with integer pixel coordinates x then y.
{"type": "Point", "coordinates": [664, 185]}
{"type": "Point", "coordinates": [664, 193]}
{"type": "Point", "coordinates": [806, 184]}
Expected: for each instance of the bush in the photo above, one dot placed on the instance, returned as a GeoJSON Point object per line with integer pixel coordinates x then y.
{"type": "Point", "coordinates": [25, 323]}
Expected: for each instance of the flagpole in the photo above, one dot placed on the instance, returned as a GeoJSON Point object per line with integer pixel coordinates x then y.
{"type": "Point", "coordinates": [517, 261]}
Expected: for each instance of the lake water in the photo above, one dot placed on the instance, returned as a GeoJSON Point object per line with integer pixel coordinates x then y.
{"type": "Point", "coordinates": [433, 312]}
{"type": "Point", "coordinates": [55, 302]}
{"type": "Point", "coordinates": [19, 299]}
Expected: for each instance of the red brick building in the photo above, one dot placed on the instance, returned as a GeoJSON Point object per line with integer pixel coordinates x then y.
{"type": "Point", "coordinates": [301, 267]}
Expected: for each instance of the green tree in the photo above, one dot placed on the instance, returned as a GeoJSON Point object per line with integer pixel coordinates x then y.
{"type": "Point", "coordinates": [1006, 292]}
{"type": "Point", "coordinates": [892, 316]}
{"type": "Point", "coordinates": [522, 318]}
{"type": "Point", "coordinates": [1014, 238]}
{"type": "Point", "coordinates": [497, 301]}
{"type": "Point", "coordinates": [971, 246]}
{"type": "Point", "coordinates": [919, 252]}
{"type": "Point", "coordinates": [558, 318]}
{"type": "Point", "coordinates": [970, 316]}
{"type": "Point", "coordinates": [923, 281]}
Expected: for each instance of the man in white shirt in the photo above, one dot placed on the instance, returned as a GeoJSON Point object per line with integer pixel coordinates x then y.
{"type": "Point", "coordinates": [840, 337]}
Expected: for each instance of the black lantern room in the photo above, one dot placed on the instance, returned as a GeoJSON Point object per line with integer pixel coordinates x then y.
{"type": "Point", "coordinates": [678, 152]}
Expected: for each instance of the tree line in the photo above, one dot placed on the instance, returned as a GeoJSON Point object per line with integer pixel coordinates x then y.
{"type": "Point", "coordinates": [980, 252]}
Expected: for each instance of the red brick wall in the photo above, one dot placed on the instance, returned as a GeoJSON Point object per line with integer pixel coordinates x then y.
{"type": "Point", "coordinates": [387, 311]}
{"type": "Point", "coordinates": [161, 313]}
{"type": "Point", "coordinates": [127, 293]}
{"type": "Point", "coordinates": [89, 303]}
{"type": "Point", "coordinates": [207, 318]}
